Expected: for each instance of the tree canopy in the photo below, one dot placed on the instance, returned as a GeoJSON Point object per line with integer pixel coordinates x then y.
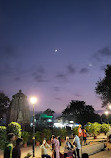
{"type": "Point", "coordinates": [103, 87]}
{"type": "Point", "coordinates": [4, 104]}
{"type": "Point", "coordinates": [49, 112]}
{"type": "Point", "coordinates": [79, 112]}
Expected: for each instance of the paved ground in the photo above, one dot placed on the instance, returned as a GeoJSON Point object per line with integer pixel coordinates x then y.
{"type": "Point", "coordinates": [103, 154]}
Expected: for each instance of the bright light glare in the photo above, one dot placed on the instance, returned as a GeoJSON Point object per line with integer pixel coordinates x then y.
{"type": "Point", "coordinates": [109, 107]}
{"type": "Point", "coordinates": [106, 112]}
{"type": "Point", "coordinates": [71, 121]}
{"type": "Point", "coordinates": [49, 120]}
{"type": "Point", "coordinates": [33, 100]}
{"type": "Point", "coordinates": [58, 125]}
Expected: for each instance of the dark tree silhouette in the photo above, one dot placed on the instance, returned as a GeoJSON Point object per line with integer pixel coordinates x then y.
{"type": "Point", "coordinates": [103, 87]}
{"type": "Point", "coordinates": [81, 113]}
{"type": "Point", "coordinates": [49, 112]}
{"type": "Point", "coordinates": [106, 119]}
{"type": "Point", "coordinates": [4, 105]}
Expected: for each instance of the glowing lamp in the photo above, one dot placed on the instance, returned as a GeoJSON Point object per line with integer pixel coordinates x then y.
{"type": "Point", "coordinates": [109, 107]}
{"type": "Point", "coordinates": [33, 100]}
{"type": "Point", "coordinates": [106, 112]}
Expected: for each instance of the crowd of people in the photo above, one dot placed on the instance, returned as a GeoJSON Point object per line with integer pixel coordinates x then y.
{"type": "Point", "coordinates": [71, 150]}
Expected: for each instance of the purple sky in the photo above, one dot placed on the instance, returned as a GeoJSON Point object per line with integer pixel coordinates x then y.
{"type": "Point", "coordinates": [56, 49]}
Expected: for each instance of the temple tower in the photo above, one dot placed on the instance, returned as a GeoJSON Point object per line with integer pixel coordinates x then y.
{"type": "Point", "coordinates": [19, 109]}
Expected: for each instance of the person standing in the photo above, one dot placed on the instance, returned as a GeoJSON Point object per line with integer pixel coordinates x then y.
{"type": "Point", "coordinates": [76, 142]}
{"type": "Point", "coordinates": [59, 138]}
{"type": "Point", "coordinates": [52, 141]}
{"type": "Point", "coordinates": [9, 146]}
{"type": "Point", "coordinates": [84, 136]}
{"type": "Point", "coordinates": [16, 150]}
{"type": "Point", "coordinates": [56, 145]}
{"type": "Point", "coordinates": [80, 134]}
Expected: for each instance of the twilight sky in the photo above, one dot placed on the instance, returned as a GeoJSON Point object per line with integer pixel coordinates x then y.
{"type": "Point", "coordinates": [54, 49]}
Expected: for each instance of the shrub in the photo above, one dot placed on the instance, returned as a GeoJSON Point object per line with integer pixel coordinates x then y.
{"type": "Point", "coordinates": [25, 136]}
{"type": "Point", "coordinates": [57, 131]}
{"type": "Point", "coordinates": [75, 130]}
{"type": "Point", "coordinates": [38, 136]}
{"type": "Point", "coordinates": [93, 128]}
{"type": "Point", "coordinates": [60, 132]}
{"type": "Point", "coordinates": [2, 137]}
{"type": "Point", "coordinates": [63, 133]}
{"type": "Point", "coordinates": [15, 128]}
{"type": "Point", "coordinates": [47, 134]}
{"type": "Point", "coordinates": [104, 128]}
{"type": "Point", "coordinates": [88, 128]}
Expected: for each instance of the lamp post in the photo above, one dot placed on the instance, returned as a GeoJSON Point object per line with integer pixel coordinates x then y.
{"type": "Point", "coordinates": [106, 113]}
{"type": "Point", "coordinates": [33, 101]}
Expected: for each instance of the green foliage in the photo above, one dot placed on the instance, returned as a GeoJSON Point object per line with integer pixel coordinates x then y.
{"type": "Point", "coordinates": [75, 130]}
{"type": "Point", "coordinates": [4, 105]}
{"type": "Point", "coordinates": [93, 128]}
{"type": "Point", "coordinates": [2, 137]}
{"type": "Point", "coordinates": [104, 128]}
{"type": "Point", "coordinates": [63, 133]}
{"type": "Point", "coordinates": [25, 136]}
{"type": "Point", "coordinates": [15, 128]}
{"type": "Point", "coordinates": [79, 112]}
{"type": "Point", "coordinates": [60, 132]}
{"type": "Point", "coordinates": [103, 87]}
{"type": "Point", "coordinates": [56, 131]}
{"type": "Point", "coordinates": [49, 112]}
{"type": "Point", "coordinates": [38, 136]}
{"type": "Point", "coordinates": [88, 128]}
{"type": "Point", "coordinates": [47, 134]}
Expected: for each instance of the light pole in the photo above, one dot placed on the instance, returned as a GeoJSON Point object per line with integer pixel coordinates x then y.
{"type": "Point", "coordinates": [33, 101]}
{"type": "Point", "coordinates": [106, 113]}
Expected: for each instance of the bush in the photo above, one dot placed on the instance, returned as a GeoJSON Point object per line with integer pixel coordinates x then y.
{"type": "Point", "coordinates": [60, 132]}
{"type": "Point", "coordinates": [47, 134]}
{"type": "Point", "coordinates": [25, 136]}
{"type": "Point", "coordinates": [104, 128]}
{"type": "Point", "coordinates": [15, 128]}
{"type": "Point", "coordinates": [75, 130]}
{"type": "Point", "coordinates": [88, 128]}
{"type": "Point", "coordinates": [63, 133]}
{"type": "Point", "coordinates": [93, 128]}
{"type": "Point", "coordinates": [57, 131]}
{"type": "Point", "coordinates": [2, 137]}
{"type": "Point", "coordinates": [38, 136]}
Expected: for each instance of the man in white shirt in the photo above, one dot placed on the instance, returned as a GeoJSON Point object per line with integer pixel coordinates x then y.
{"type": "Point", "coordinates": [76, 142]}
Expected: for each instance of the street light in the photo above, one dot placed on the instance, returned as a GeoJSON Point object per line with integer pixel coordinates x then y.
{"type": "Point", "coordinates": [33, 101]}
{"type": "Point", "coordinates": [106, 113]}
{"type": "Point", "coordinates": [109, 106]}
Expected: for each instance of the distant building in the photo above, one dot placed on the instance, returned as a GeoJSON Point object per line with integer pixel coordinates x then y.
{"type": "Point", "coordinates": [43, 120]}
{"type": "Point", "coordinates": [61, 122]}
{"type": "Point", "coordinates": [19, 109]}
